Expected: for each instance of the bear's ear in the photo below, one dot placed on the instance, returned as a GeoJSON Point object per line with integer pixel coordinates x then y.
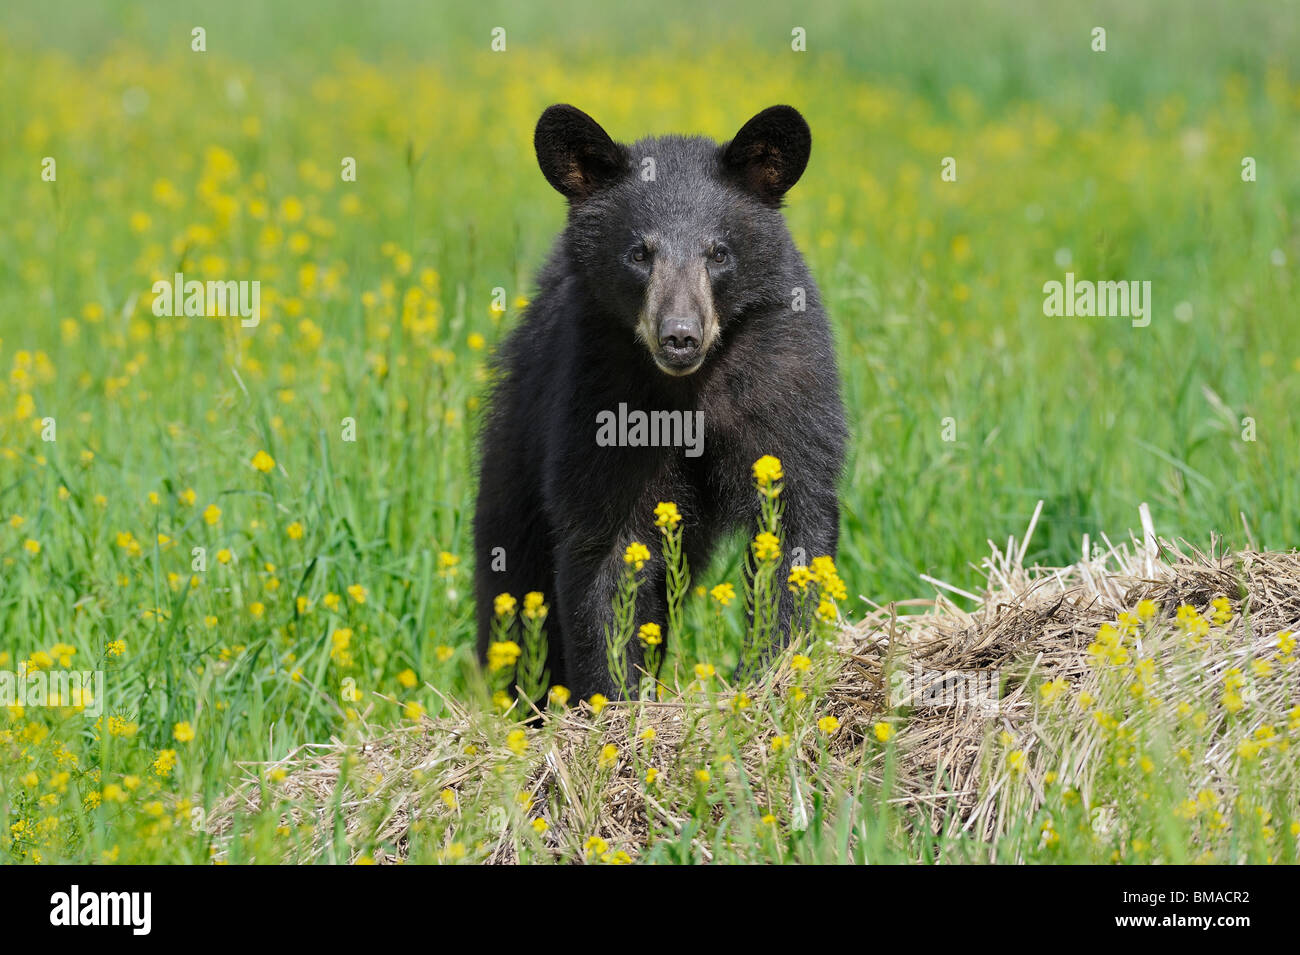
{"type": "Point", "coordinates": [770, 152]}
{"type": "Point", "coordinates": [577, 156]}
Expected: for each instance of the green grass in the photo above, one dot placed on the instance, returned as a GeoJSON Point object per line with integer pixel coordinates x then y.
{"type": "Point", "coordinates": [1130, 160]}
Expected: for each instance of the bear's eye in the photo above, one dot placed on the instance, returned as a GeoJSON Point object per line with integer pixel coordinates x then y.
{"type": "Point", "coordinates": [638, 254]}
{"type": "Point", "coordinates": [719, 256]}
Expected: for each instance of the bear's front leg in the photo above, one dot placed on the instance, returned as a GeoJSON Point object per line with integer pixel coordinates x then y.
{"type": "Point", "coordinates": [809, 529]}
{"type": "Point", "coordinates": [588, 585]}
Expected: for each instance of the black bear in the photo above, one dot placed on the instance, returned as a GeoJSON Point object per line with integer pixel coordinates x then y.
{"type": "Point", "coordinates": [674, 291]}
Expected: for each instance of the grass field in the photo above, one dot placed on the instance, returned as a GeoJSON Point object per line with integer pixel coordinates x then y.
{"type": "Point", "coordinates": [335, 581]}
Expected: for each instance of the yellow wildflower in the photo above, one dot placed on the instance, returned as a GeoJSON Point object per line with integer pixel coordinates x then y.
{"type": "Point", "coordinates": [534, 607]}
{"type": "Point", "coordinates": [767, 546]}
{"type": "Point", "coordinates": [502, 654]}
{"type": "Point", "coordinates": [636, 555]}
{"type": "Point", "coordinates": [767, 471]}
{"type": "Point", "coordinates": [799, 579]}
{"type": "Point", "coordinates": [667, 515]}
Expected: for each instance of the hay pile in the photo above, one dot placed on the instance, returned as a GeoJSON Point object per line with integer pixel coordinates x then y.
{"type": "Point", "coordinates": [964, 677]}
{"type": "Point", "coordinates": [1033, 625]}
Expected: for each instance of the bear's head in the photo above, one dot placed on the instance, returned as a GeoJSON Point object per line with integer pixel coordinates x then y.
{"type": "Point", "coordinates": [677, 237]}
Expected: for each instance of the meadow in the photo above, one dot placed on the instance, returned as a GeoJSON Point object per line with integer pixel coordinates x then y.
{"type": "Point", "coordinates": [323, 461]}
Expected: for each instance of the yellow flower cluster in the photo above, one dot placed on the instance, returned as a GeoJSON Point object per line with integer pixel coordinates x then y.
{"type": "Point", "coordinates": [636, 555]}
{"type": "Point", "coordinates": [1108, 647]}
{"type": "Point", "coordinates": [534, 606]}
{"type": "Point", "coordinates": [767, 546]}
{"type": "Point", "coordinates": [828, 578]}
{"type": "Point", "coordinates": [1191, 623]}
{"type": "Point", "coordinates": [1233, 683]}
{"type": "Point", "coordinates": [517, 742]}
{"type": "Point", "coordinates": [502, 654]}
{"type": "Point", "coordinates": [447, 562]}
{"type": "Point", "coordinates": [799, 579]}
{"type": "Point", "coordinates": [340, 647]}
{"type": "Point", "coordinates": [503, 605]}
{"type": "Point", "coordinates": [667, 515]}
{"type": "Point", "coordinates": [1053, 690]}
{"type": "Point", "coordinates": [1221, 608]}
{"type": "Point", "coordinates": [767, 471]}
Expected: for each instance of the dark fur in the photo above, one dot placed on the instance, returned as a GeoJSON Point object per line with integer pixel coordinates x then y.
{"type": "Point", "coordinates": [563, 508]}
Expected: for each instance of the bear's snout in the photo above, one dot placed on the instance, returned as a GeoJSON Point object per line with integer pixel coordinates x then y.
{"type": "Point", "coordinates": [679, 339]}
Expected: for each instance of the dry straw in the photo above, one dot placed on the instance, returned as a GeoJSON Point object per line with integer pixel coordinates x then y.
{"type": "Point", "coordinates": [965, 679]}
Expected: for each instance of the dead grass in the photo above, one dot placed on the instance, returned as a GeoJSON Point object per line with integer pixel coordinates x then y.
{"type": "Point", "coordinates": [1032, 624]}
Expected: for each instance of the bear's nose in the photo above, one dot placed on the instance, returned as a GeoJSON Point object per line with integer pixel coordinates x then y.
{"type": "Point", "coordinates": [680, 336]}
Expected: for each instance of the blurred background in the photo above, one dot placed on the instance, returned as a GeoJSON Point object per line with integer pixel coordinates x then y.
{"type": "Point", "coordinates": [1123, 164]}
{"type": "Point", "coordinates": [335, 592]}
